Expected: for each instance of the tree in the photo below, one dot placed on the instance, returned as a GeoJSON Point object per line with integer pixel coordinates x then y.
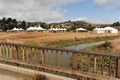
{"type": "Point", "coordinates": [3, 23]}
{"type": "Point", "coordinates": [116, 24]}
{"type": "Point", "coordinates": [23, 25]}
{"type": "Point", "coordinates": [44, 25]}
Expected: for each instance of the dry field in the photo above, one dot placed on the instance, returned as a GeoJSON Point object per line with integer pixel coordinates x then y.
{"type": "Point", "coordinates": [116, 46]}
{"type": "Point", "coordinates": [41, 38]}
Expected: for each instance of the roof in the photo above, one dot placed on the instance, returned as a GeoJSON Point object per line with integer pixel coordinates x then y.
{"type": "Point", "coordinates": [81, 29]}
{"type": "Point", "coordinates": [16, 29]}
{"type": "Point", "coordinates": [109, 28]}
{"type": "Point", "coordinates": [35, 28]}
{"type": "Point", "coordinates": [106, 28]}
{"type": "Point", "coordinates": [58, 29]}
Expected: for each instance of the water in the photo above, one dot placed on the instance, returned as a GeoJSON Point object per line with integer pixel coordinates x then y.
{"type": "Point", "coordinates": [78, 47]}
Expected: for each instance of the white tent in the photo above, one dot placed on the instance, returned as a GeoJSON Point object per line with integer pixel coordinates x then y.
{"type": "Point", "coordinates": [81, 30]}
{"type": "Point", "coordinates": [110, 30]}
{"type": "Point", "coordinates": [30, 29]}
{"type": "Point", "coordinates": [16, 29]}
{"type": "Point", "coordinates": [98, 30]}
{"type": "Point", "coordinates": [57, 29]}
{"type": "Point", "coordinates": [40, 29]}
{"type": "Point", "coordinates": [35, 29]}
{"type": "Point", "coordinates": [21, 29]}
{"type": "Point", "coordinates": [105, 30]}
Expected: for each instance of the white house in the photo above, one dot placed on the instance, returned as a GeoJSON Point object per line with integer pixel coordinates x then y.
{"type": "Point", "coordinates": [105, 30]}
{"type": "Point", "coordinates": [81, 30]}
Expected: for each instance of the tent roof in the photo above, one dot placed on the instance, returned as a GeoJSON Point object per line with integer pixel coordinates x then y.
{"type": "Point", "coordinates": [58, 29]}
{"type": "Point", "coordinates": [40, 28]}
{"type": "Point", "coordinates": [109, 28]}
{"type": "Point", "coordinates": [82, 29]}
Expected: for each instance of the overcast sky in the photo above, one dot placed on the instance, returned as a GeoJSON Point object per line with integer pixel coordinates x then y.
{"type": "Point", "coordinates": [95, 11]}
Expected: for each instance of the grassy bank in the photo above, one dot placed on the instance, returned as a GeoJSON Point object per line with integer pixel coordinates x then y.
{"type": "Point", "coordinates": [75, 41]}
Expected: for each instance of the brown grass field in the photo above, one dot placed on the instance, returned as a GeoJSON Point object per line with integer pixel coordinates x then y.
{"type": "Point", "coordinates": [116, 46]}
{"type": "Point", "coordinates": [41, 38]}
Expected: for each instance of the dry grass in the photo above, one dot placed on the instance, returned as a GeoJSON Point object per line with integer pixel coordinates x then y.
{"type": "Point", "coordinates": [42, 38]}
{"type": "Point", "coordinates": [116, 46]}
{"type": "Point", "coordinates": [37, 77]}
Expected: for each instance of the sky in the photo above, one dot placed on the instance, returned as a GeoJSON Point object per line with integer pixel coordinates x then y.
{"type": "Point", "coordinates": [94, 11]}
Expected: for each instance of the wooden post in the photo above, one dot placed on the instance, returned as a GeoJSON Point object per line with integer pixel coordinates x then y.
{"type": "Point", "coordinates": [94, 64]}
{"type": "Point", "coordinates": [46, 59]}
{"type": "Point", "coordinates": [61, 58]}
{"type": "Point", "coordinates": [74, 61]}
{"type": "Point", "coordinates": [11, 52]}
{"type": "Point", "coordinates": [0, 51]}
{"type": "Point", "coordinates": [102, 65]}
{"type": "Point", "coordinates": [35, 55]}
{"type": "Point", "coordinates": [5, 51]}
{"type": "Point", "coordinates": [41, 57]}
{"type": "Point", "coordinates": [6, 47]}
{"type": "Point", "coordinates": [82, 59]}
{"type": "Point", "coordinates": [56, 58]}
{"type": "Point", "coordinates": [17, 55]}
{"type": "Point", "coordinates": [88, 64]}
{"type": "Point", "coordinates": [27, 55]}
{"type": "Point", "coordinates": [23, 54]}
{"type": "Point", "coordinates": [67, 64]}
{"type": "Point", "coordinates": [118, 68]}
{"type": "Point", "coordinates": [110, 67]}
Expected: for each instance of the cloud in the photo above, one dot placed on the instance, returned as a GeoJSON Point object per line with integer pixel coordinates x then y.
{"type": "Point", "coordinates": [95, 21]}
{"type": "Point", "coordinates": [109, 5]}
{"type": "Point", "coordinates": [34, 10]}
{"type": "Point", "coordinates": [104, 2]}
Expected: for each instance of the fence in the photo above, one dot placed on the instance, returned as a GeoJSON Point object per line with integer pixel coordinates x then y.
{"type": "Point", "coordinates": [78, 63]}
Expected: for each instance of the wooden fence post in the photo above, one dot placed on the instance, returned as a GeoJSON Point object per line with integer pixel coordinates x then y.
{"type": "Point", "coordinates": [41, 57]}
{"type": "Point", "coordinates": [17, 55]}
{"type": "Point", "coordinates": [118, 68]}
{"type": "Point", "coordinates": [74, 61]}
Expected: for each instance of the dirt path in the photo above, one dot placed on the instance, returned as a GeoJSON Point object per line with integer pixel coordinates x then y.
{"type": "Point", "coordinates": [8, 75]}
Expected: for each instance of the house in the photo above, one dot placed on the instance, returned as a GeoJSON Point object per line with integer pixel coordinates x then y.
{"type": "Point", "coordinates": [105, 30]}
{"type": "Point", "coordinates": [81, 30]}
